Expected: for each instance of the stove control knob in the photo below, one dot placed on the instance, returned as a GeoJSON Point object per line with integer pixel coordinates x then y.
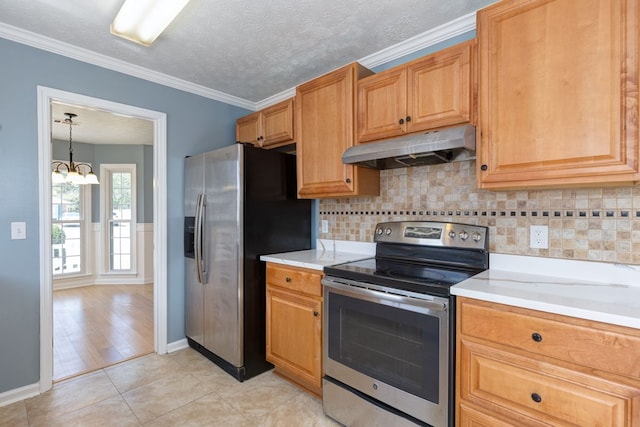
{"type": "Point", "coordinates": [379, 231]}
{"type": "Point", "coordinates": [464, 235]}
{"type": "Point", "coordinates": [452, 234]}
{"type": "Point", "coordinates": [476, 236]}
{"type": "Point", "coordinates": [387, 231]}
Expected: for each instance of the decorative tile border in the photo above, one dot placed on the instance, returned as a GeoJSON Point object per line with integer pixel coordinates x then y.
{"type": "Point", "coordinates": [494, 213]}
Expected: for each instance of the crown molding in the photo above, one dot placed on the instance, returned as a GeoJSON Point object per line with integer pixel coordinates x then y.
{"type": "Point", "coordinates": [421, 41]}
{"type": "Point", "coordinates": [74, 52]}
{"type": "Point", "coordinates": [274, 99]}
{"type": "Point", "coordinates": [429, 38]}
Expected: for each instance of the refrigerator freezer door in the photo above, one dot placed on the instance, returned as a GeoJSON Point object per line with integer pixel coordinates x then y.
{"type": "Point", "coordinates": [194, 303]}
{"type": "Point", "coordinates": [194, 291]}
{"type": "Point", "coordinates": [223, 316]}
{"type": "Point", "coordinates": [193, 182]}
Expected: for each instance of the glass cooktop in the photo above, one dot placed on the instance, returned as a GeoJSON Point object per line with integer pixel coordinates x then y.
{"type": "Point", "coordinates": [415, 277]}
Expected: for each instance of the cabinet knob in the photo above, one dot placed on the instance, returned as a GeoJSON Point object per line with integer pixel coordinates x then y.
{"type": "Point", "coordinates": [536, 337]}
{"type": "Point", "coordinates": [484, 167]}
{"type": "Point", "coordinates": [408, 119]}
{"type": "Point", "coordinates": [401, 121]}
{"type": "Point", "coordinates": [536, 397]}
{"type": "Point", "coordinates": [315, 314]}
{"type": "Point", "coordinates": [287, 279]}
{"type": "Point", "coordinates": [348, 180]}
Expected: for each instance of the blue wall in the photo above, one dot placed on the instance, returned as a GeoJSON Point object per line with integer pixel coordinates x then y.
{"type": "Point", "coordinates": [194, 124]}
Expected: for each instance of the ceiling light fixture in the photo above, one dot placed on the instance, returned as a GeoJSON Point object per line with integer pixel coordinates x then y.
{"type": "Point", "coordinates": [73, 170]}
{"type": "Point", "coordinates": [142, 21]}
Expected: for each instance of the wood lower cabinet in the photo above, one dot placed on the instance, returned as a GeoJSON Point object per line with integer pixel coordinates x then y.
{"type": "Point", "coordinates": [325, 128]}
{"type": "Point", "coordinates": [523, 367]}
{"type": "Point", "coordinates": [435, 91]}
{"type": "Point", "coordinates": [294, 325]}
{"type": "Point", "coordinates": [558, 93]}
{"type": "Point", "coordinates": [268, 128]}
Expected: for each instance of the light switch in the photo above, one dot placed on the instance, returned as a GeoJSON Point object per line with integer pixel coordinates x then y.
{"type": "Point", "coordinates": [18, 230]}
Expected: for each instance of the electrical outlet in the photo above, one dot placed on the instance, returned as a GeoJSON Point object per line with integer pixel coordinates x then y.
{"type": "Point", "coordinates": [539, 237]}
{"type": "Point", "coordinates": [325, 226]}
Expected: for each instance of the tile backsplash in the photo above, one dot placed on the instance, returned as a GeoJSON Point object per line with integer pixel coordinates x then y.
{"type": "Point", "coordinates": [594, 224]}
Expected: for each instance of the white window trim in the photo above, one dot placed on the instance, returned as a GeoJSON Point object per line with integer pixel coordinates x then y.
{"type": "Point", "coordinates": [105, 203]}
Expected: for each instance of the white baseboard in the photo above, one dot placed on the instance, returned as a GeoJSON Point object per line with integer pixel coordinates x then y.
{"type": "Point", "coordinates": [18, 394]}
{"type": "Point", "coordinates": [177, 345]}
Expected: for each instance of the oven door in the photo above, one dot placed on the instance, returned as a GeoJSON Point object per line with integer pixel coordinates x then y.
{"type": "Point", "coordinates": [391, 347]}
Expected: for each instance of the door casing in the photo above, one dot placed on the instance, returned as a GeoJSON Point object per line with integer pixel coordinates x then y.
{"type": "Point", "coordinates": [45, 97]}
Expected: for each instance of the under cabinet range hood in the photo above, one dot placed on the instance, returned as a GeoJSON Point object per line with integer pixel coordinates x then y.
{"type": "Point", "coordinates": [428, 148]}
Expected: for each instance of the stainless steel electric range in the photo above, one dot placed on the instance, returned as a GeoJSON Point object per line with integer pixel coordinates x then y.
{"type": "Point", "coordinates": [389, 325]}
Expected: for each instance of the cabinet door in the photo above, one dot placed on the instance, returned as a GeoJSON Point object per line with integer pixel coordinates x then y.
{"type": "Point", "coordinates": [382, 105]}
{"type": "Point", "coordinates": [558, 93]}
{"type": "Point", "coordinates": [325, 129]}
{"type": "Point", "coordinates": [440, 89]}
{"type": "Point", "coordinates": [294, 334]}
{"type": "Point", "coordinates": [277, 124]}
{"type": "Point", "coordinates": [248, 128]}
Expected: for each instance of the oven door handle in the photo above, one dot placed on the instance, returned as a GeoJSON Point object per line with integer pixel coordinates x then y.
{"type": "Point", "coordinates": [357, 289]}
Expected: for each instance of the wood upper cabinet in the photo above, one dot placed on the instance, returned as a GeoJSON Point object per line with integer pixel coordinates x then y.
{"type": "Point", "coordinates": [268, 128]}
{"type": "Point", "coordinates": [435, 91]}
{"type": "Point", "coordinates": [248, 128]}
{"type": "Point", "coordinates": [558, 93]}
{"type": "Point", "coordinates": [523, 367]}
{"type": "Point", "coordinates": [325, 128]}
{"type": "Point", "coordinates": [294, 324]}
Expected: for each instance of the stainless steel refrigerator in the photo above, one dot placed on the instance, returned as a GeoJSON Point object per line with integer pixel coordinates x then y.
{"type": "Point", "coordinates": [240, 203]}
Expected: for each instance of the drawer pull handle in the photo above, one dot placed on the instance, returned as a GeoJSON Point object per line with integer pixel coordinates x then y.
{"type": "Point", "coordinates": [315, 314]}
{"type": "Point", "coordinates": [287, 279]}
{"type": "Point", "coordinates": [536, 337]}
{"type": "Point", "coordinates": [536, 397]}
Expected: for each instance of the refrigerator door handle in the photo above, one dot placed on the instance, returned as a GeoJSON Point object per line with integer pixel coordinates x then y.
{"type": "Point", "coordinates": [198, 238]}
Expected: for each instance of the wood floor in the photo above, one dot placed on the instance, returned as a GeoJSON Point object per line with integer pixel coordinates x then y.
{"type": "Point", "coordinates": [98, 326]}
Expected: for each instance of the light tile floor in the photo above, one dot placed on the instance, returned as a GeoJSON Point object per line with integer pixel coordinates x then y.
{"type": "Point", "coordinates": [178, 389]}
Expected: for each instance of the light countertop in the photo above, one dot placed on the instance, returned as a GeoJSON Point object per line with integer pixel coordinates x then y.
{"type": "Point", "coordinates": [327, 252]}
{"type": "Point", "coordinates": [602, 292]}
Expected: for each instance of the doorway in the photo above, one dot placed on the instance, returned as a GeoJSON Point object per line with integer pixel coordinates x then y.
{"type": "Point", "coordinates": [45, 97]}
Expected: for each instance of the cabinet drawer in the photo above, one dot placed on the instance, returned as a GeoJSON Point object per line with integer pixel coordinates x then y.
{"type": "Point", "coordinates": [522, 388]}
{"type": "Point", "coordinates": [297, 279]}
{"type": "Point", "coordinates": [469, 416]}
{"type": "Point", "coordinates": [592, 344]}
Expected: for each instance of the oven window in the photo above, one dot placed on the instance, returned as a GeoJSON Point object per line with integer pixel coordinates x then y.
{"type": "Point", "coordinates": [396, 346]}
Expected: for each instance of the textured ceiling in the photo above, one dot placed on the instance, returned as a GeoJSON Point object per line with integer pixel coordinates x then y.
{"type": "Point", "coordinates": [248, 49]}
{"type": "Point", "coordinates": [99, 127]}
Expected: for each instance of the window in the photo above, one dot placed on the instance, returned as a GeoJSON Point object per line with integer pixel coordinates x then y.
{"type": "Point", "coordinates": [119, 211]}
{"type": "Point", "coordinates": [67, 229]}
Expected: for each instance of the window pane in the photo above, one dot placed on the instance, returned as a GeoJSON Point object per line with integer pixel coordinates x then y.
{"type": "Point", "coordinates": [120, 224]}
{"type": "Point", "coordinates": [65, 200]}
{"type": "Point", "coordinates": [66, 228]}
{"type": "Point", "coordinates": [66, 242]}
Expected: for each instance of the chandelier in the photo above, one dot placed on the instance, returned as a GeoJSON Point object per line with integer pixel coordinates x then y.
{"type": "Point", "coordinates": [72, 172]}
